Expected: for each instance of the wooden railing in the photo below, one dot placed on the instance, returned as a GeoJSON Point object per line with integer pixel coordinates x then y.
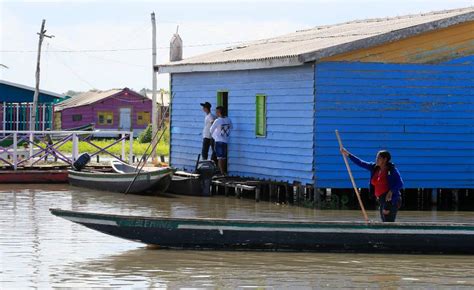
{"type": "Point", "coordinates": [38, 145]}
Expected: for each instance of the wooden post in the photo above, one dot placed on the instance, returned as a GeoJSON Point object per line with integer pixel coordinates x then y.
{"type": "Point", "coordinates": [434, 196]}
{"type": "Point", "coordinates": [270, 191]}
{"type": "Point", "coordinates": [4, 116]}
{"type": "Point", "coordinates": [51, 120]}
{"type": "Point", "coordinates": [17, 123]}
{"type": "Point", "coordinates": [130, 149]}
{"type": "Point", "coordinates": [15, 150]}
{"type": "Point", "coordinates": [75, 147]}
{"type": "Point", "coordinates": [257, 193]}
{"type": "Point", "coordinates": [154, 116]}
{"type": "Point", "coordinates": [123, 146]}
{"type": "Point", "coordinates": [31, 144]}
{"type": "Point", "coordinates": [161, 117]}
{"type": "Point", "coordinates": [42, 35]}
{"type": "Point", "coordinates": [43, 117]}
{"type": "Point", "coordinates": [317, 196]}
{"type": "Point", "coordinates": [352, 179]}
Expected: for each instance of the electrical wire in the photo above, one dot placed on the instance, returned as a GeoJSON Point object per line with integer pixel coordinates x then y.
{"type": "Point", "coordinates": [110, 60]}
{"type": "Point", "coordinates": [262, 41]}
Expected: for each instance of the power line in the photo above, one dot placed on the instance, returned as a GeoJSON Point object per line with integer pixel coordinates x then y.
{"type": "Point", "coordinates": [106, 59]}
{"type": "Point", "coordinates": [73, 72]}
{"type": "Point", "coordinates": [262, 41]}
{"type": "Point", "coordinates": [125, 49]}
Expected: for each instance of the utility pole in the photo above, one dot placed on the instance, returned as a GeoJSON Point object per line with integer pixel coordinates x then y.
{"type": "Point", "coordinates": [154, 115]}
{"type": "Point", "coordinates": [42, 35]}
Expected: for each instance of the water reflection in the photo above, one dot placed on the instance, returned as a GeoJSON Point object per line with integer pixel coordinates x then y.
{"type": "Point", "coordinates": [38, 249]}
{"type": "Point", "coordinates": [243, 269]}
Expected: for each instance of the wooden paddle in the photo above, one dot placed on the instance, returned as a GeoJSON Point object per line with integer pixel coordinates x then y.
{"type": "Point", "coordinates": [352, 178]}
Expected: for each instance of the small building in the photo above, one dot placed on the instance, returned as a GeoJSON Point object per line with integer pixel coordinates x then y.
{"type": "Point", "coordinates": [116, 109]}
{"type": "Point", "coordinates": [16, 101]}
{"type": "Point", "coordinates": [405, 84]}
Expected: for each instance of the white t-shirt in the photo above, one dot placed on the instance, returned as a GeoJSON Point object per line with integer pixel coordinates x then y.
{"type": "Point", "coordinates": [220, 129]}
{"type": "Point", "coordinates": [208, 120]}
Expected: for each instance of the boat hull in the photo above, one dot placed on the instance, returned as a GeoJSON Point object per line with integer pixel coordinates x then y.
{"type": "Point", "coordinates": [34, 176]}
{"type": "Point", "coordinates": [152, 181]}
{"type": "Point", "coordinates": [282, 235]}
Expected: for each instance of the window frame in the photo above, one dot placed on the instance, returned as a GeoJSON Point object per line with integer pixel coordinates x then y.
{"type": "Point", "coordinates": [222, 100]}
{"type": "Point", "coordinates": [106, 114]}
{"type": "Point", "coordinates": [143, 121]}
{"type": "Point", "coordinates": [76, 117]}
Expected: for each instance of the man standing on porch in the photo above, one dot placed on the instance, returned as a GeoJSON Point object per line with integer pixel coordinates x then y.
{"type": "Point", "coordinates": [220, 131]}
{"type": "Point", "coordinates": [207, 140]}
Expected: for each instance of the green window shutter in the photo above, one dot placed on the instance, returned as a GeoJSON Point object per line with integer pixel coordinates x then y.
{"type": "Point", "coordinates": [261, 115]}
{"type": "Point", "coordinates": [220, 99]}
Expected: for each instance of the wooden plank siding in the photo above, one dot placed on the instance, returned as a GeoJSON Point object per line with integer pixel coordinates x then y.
{"type": "Point", "coordinates": [423, 114]}
{"type": "Point", "coordinates": [284, 154]}
{"type": "Point", "coordinates": [433, 47]}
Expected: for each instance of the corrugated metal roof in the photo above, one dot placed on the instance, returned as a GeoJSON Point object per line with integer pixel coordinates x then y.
{"type": "Point", "coordinates": [86, 98]}
{"type": "Point", "coordinates": [56, 95]}
{"type": "Point", "coordinates": [323, 41]}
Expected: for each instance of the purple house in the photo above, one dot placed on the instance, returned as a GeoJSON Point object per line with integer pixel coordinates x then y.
{"type": "Point", "coordinates": [116, 109]}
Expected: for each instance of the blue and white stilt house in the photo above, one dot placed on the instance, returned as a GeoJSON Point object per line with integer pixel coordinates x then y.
{"type": "Point", "coordinates": [405, 84]}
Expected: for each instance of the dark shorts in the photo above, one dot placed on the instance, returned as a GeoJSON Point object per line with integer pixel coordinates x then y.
{"type": "Point", "coordinates": [387, 205]}
{"type": "Point", "coordinates": [221, 150]}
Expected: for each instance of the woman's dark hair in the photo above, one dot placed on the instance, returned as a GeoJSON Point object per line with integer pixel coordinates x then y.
{"type": "Point", "coordinates": [385, 154]}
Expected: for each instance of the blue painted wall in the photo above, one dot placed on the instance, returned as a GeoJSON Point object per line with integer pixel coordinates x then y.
{"type": "Point", "coordinates": [12, 94]}
{"type": "Point", "coordinates": [285, 154]}
{"type": "Point", "coordinates": [466, 60]}
{"type": "Point", "coordinates": [422, 114]}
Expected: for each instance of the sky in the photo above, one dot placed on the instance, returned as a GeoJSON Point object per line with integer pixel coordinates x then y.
{"type": "Point", "coordinates": [107, 44]}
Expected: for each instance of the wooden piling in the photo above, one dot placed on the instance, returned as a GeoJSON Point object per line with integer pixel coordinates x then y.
{"type": "Point", "coordinates": [271, 192]}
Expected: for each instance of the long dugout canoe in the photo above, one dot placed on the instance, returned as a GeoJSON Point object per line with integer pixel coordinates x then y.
{"type": "Point", "coordinates": [323, 236]}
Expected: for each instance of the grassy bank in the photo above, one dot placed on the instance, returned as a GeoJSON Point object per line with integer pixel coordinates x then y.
{"type": "Point", "coordinates": [138, 148]}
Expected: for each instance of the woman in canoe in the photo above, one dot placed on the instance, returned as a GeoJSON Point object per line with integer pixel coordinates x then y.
{"type": "Point", "coordinates": [385, 182]}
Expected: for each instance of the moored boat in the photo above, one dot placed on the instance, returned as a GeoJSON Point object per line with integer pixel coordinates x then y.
{"type": "Point", "coordinates": [34, 176]}
{"type": "Point", "coordinates": [198, 233]}
{"type": "Point", "coordinates": [121, 176]}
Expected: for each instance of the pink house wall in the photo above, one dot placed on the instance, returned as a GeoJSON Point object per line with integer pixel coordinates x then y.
{"type": "Point", "coordinates": [124, 99]}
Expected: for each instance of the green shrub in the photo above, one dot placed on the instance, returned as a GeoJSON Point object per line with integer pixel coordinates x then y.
{"type": "Point", "coordinates": [146, 135]}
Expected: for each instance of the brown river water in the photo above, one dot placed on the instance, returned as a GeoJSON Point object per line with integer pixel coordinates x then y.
{"type": "Point", "coordinates": [40, 250]}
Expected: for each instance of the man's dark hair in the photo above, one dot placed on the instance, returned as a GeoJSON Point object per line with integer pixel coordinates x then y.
{"type": "Point", "coordinates": [221, 109]}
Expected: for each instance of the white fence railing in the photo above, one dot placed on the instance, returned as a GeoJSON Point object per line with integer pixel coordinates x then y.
{"type": "Point", "coordinates": [38, 145]}
{"type": "Point", "coordinates": [17, 116]}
